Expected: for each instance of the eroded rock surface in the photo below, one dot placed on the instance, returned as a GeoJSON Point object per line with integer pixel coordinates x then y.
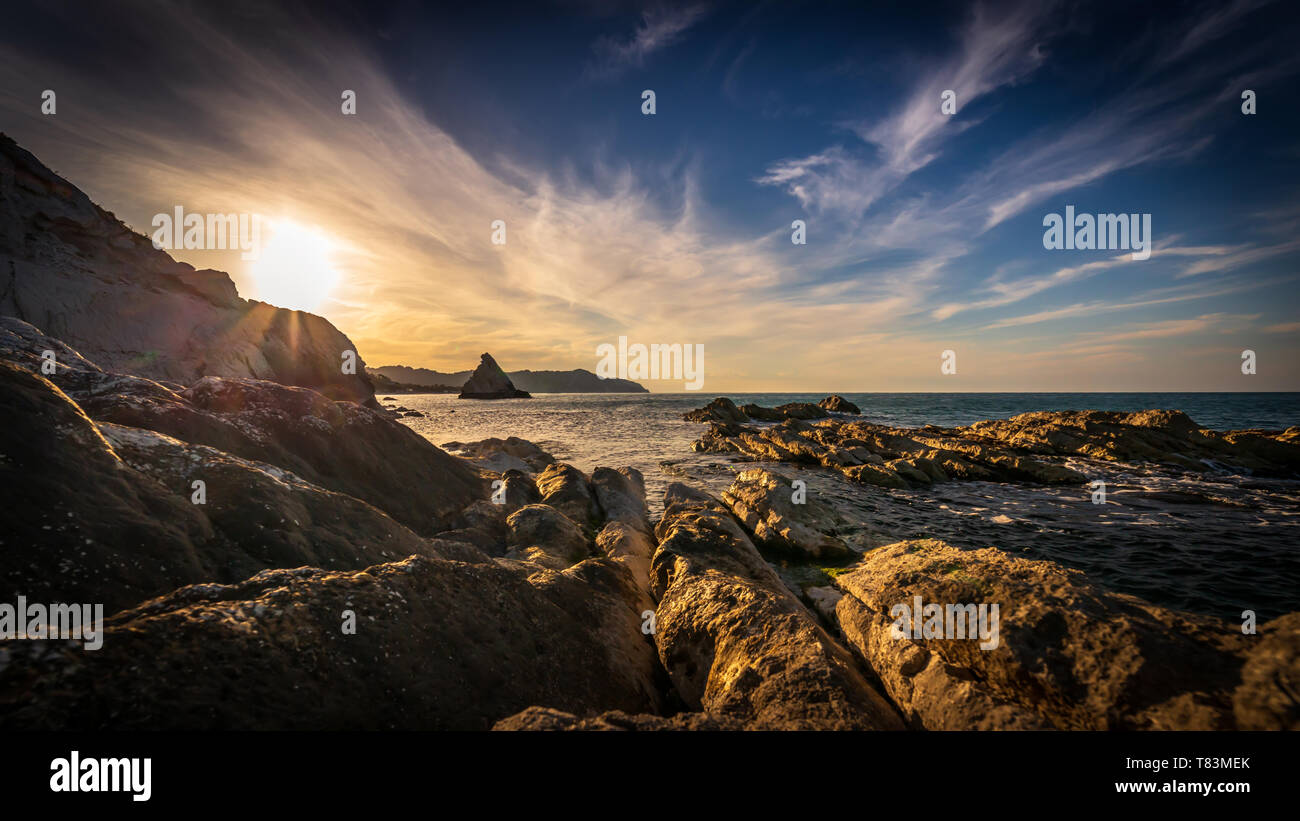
{"type": "Point", "coordinates": [736, 642]}
{"type": "Point", "coordinates": [1068, 655]}
{"type": "Point", "coordinates": [765, 503]}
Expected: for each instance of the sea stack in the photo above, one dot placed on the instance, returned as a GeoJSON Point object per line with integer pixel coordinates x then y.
{"type": "Point", "coordinates": [490, 382]}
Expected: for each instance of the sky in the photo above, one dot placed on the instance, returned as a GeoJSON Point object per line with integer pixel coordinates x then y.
{"type": "Point", "coordinates": [924, 228]}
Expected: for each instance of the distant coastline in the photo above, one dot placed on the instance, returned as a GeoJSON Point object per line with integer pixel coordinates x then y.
{"type": "Point", "coordinates": [411, 380]}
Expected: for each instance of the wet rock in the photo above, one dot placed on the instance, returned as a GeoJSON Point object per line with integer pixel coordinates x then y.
{"type": "Point", "coordinates": [838, 404]}
{"type": "Point", "coordinates": [721, 409]}
{"type": "Point", "coordinates": [792, 410]}
{"type": "Point", "coordinates": [763, 501]}
{"type": "Point", "coordinates": [489, 381]}
{"type": "Point", "coordinates": [1144, 436]}
{"type": "Point", "coordinates": [736, 642]}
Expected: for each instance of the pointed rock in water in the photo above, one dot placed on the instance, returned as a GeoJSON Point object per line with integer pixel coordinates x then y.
{"type": "Point", "coordinates": [490, 382]}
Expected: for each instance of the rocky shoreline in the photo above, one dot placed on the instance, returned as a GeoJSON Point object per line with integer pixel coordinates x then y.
{"type": "Point", "coordinates": [504, 589]}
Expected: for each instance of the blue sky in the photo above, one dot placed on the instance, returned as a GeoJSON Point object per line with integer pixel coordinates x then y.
{"type": "Point", "coordinates": [924, 230]}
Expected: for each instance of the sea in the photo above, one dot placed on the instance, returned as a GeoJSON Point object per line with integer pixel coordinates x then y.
{"type": "Point", "coordinates": [1216, 543]}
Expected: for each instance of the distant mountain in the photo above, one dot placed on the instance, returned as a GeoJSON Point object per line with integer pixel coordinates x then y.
{"type": "Point", "coordinates": [576, 381]}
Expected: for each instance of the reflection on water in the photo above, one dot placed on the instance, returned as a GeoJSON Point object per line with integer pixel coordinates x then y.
{"type": "Point", "coordinates": [1215, 544]}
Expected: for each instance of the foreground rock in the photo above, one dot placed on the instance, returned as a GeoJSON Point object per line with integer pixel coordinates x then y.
{"type": "Point", "coordinates": [764, 502]}
{"type": "Point", "coordinates": [735, 641]}
{"type": "Point", "coordinates": [108, 513]}
{"type": "Point", "coordinates": [438, 645]}
{"type": "Point", "coordinates": [490, 382]}
{"type": "Point", "coordinates": [77, 271]}
{"type": "Point", "coordinates": [1068, 655]}
{"type": "Point", "coordinates": [542, 719]}
{"type": "Point", "coordinates": [500, 455]}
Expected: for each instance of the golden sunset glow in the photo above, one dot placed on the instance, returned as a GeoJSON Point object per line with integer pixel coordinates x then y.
{"type": "Point", "coordinates": [294, 269]}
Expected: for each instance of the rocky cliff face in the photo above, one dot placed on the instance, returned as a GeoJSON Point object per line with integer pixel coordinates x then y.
{"type": "Point", "coordinates": [490, 382]}
{"type": "Point", "coordinates": [74, 270]}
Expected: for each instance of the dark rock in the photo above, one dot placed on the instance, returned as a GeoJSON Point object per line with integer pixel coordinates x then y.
{"type": "Point", "coordinates": [500, 455]}
{"type": "Point", "coordinates": [542, 719]}
{"type": "Point", "coordinates": [490, 382]}
{"type": "Point", "coordinates": [438, 645]}
{"type": "Point", "coordinates": [721, 409]}
{"type": "Point", "coordinates": [838, 404]}
{"type": "Point", "coordinates": [87, 279]}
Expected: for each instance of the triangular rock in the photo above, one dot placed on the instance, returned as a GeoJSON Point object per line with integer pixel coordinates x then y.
{"type": "Point", "coordinates": [490, 382]}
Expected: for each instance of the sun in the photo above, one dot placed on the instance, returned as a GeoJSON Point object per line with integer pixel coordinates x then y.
{"type": "Point", "coordinates": [294, 269]}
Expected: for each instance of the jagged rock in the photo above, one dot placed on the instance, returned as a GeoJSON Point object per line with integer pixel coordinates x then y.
{"type": "Point", "coordinates": [838, 404]}
{"type": "Point", "coordinates": [736, 642]}
{"type": "Point", "coordinates": [721, 409]}
{"type": "Point", "coordinates": [885, 456]}
{"type": "Point", "coordinates": [490, 382]}
{"type": "Point", "coordinates": [541, 719]}
{"type": "Point", "coordinates": [545, 536]}
{"type": "Point", "coordinates": [80, 274]}
{"type": "Point", "coordinates": [1069, 655]}
{"type": "Point", "coordinates": [1144, 436]}
{"type": "Point", "coordinates": [763, 502]}
{"type": "Point", "coordinates": [438, 645]}
{"type": "Point", "coordinates": [500, 455]}
{"type": "Point", "coordinates": [569, 491]}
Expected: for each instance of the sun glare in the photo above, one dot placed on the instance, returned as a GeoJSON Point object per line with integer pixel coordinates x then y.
{"type": "Point", "coordinates": [294, 268]}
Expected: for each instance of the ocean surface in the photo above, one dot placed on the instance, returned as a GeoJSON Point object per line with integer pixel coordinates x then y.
{"type": "Point", "coordinates": [1216, 544]}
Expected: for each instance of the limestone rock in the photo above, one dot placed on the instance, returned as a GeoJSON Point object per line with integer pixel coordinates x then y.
{"type": "Point", "coordinates": [1077, 656]}
{"type": "Point", "coordinates": [763, 502]}
{"type": "Point", "coordinates": [736, 642]}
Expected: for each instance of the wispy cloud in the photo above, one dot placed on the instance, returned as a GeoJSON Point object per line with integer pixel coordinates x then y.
{"type": "Point", "coordinates": [659, 28]}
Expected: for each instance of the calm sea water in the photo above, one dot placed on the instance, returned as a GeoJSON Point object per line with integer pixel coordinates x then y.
{"type": "Point", "coordinates": [1216, 544]}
